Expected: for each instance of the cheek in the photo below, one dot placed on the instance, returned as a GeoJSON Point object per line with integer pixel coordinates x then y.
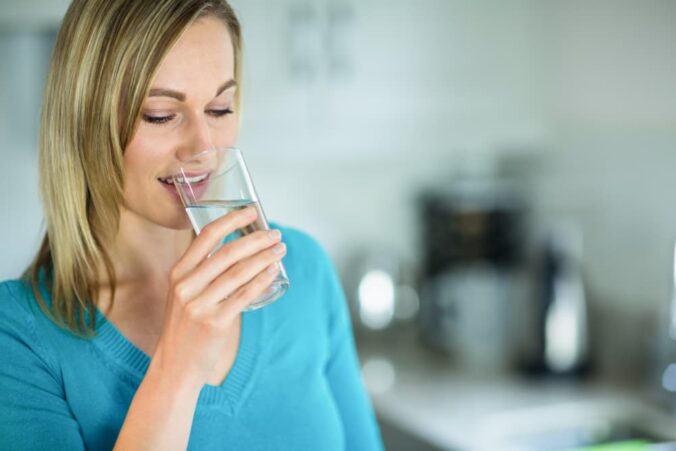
{"type": "Point", "coordinates": [227, 134]}
{"type": "Point", "coordinates": [144, 195]}
{"type": "Point", "coordinates": [143, 145]}
{"type": "Point", "coordinates": [145, 151]}
{"type": "Point", "coordinates": [141, 162]}
{"type": "Point", "coordinates": [135, 159]}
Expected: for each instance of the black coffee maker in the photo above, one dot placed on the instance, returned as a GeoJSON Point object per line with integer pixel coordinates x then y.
{"type": "Point", "coordinates": [473, 278]}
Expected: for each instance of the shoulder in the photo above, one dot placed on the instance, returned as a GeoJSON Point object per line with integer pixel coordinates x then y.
{"type": "Point", "coordinates": [298, 239]}
{"type": "Point", "coordinates": [312, 274]}
{"type": "Point", "coordinates": [304, 252]}
{"type": "Point", "coordinates": [21, 321]}
{"type": "Point", "coordinates": [16, 299]}
{"type": "Point", "coordinates": [20, 312]}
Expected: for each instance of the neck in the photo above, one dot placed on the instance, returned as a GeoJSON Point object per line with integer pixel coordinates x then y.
{"type": "Point", "coordinates": [144, 249]}
{"type": "Point", "coordinates": [142, 255]}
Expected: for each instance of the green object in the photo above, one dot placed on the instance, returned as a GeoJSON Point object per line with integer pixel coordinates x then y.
{"type": "Point", "coordinates": [627, 445]}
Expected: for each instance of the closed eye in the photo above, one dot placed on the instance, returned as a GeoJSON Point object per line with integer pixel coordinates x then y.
{"type": "Point", "coordinates": [220, 113]}
{"type": "Point", "coordinates": [158, 119]}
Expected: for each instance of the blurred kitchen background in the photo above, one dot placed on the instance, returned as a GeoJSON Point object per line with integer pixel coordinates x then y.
{"type": "Point", "coordinates": [494, 180]}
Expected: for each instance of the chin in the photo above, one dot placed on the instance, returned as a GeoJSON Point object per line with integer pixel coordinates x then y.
{"type": "Point", "coordinates": [171, 215]}
{"type": "Point", "coordinates": [173, 220]}
{"type": "Point", "coordinates": [176, 222]}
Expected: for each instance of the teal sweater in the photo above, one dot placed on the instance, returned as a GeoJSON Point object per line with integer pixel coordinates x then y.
{"type": "Point", "coordinates": [294, 385]}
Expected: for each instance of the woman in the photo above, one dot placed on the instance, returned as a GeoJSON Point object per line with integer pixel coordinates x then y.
{"type": "Point", "coordinates": [120, 334]}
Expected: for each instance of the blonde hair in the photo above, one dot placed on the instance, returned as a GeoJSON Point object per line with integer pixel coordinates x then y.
{"type": "Point", "coordinates": [105, 56]}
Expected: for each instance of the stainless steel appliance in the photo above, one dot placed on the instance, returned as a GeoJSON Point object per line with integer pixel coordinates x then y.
{"type": "Point", "coordinates": [561, 344]}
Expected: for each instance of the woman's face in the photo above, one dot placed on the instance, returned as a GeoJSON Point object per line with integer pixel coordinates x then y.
{"type": "Point", "coordinates": [189, 108]}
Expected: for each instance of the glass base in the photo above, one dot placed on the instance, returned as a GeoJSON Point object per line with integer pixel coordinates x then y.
{"type": "Point", "coordinates": [275, 291]}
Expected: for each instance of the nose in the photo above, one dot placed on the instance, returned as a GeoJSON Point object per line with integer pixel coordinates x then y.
{"type": "Point", "coordinates": [198, 138]}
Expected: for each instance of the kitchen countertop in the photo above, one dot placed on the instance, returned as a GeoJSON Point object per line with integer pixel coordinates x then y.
{"type": "Point", "coordinates": [421, 391]}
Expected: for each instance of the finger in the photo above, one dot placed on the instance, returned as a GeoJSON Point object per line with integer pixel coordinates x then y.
{"type": "Point", "coordinates": [226, 257]}
{"type": "Point", "coordinates": [230, 253]}
{"type": "Point", "coordinates": [212, 234]}
{"type": "Point", "coordinates": [240, 274]}
{"type": "Point", "coordinates": [247, 293]}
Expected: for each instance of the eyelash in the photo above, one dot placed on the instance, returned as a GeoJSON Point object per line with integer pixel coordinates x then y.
{"type": "Point", "coordinates": [161, 120]}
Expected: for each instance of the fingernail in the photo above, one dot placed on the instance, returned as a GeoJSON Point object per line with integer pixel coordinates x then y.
{"type": "Point", "coordinates": [279, 248]}
{"type": "Point", "coordinates": [275, 234]}
{"type": "Point", "coordinates": [272, 269]}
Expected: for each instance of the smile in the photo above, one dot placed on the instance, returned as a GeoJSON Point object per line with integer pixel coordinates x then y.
{"type": "Point", "coordinates": [187, 179]}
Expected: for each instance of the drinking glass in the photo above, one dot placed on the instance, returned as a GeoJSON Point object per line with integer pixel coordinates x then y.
{"type": "Point", "coordinates": [215, 182]}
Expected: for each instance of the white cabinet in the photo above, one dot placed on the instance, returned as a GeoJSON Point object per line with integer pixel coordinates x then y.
{"type": "Point", "coordinates": [379, 78]}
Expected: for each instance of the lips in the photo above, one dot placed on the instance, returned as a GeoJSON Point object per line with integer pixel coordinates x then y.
{"type": "Point", "coordinates": [193, 185]}
{"type": "Point", "coordinates": [185, 178]}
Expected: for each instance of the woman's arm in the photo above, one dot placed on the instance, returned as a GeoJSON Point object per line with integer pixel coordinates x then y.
{"type": "Point", "coordinates": [160, 415]}
{"type": "Point", "coordinates": [195, 328]}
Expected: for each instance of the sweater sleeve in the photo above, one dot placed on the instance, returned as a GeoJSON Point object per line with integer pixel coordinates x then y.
{"type": "Point", "coordinates": [342, 370]}
{"type": "Point", "coordinates": [34, 414]}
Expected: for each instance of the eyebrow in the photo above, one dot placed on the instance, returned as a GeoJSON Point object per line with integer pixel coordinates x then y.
{"type": "Point", "coordinates": [162, 92]}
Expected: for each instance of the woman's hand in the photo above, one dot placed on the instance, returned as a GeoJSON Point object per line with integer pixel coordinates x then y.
{"type": "Point", "coordinates": [207, 294]}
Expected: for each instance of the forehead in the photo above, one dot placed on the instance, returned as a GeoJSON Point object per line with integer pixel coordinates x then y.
{"type": "Point", "coordinates": [202, 55]}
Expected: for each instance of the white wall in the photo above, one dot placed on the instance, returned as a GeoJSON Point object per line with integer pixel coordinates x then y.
{"type": "Point", "coordinates": [31, 14]}
{"type": "Point", "coordinates": [433, 84]}
{"type": "Point", "coordinates": [25, 56]}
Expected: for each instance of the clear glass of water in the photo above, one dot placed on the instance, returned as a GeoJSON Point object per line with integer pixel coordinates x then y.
{"type": "Point", "coordinates": [215, 182]}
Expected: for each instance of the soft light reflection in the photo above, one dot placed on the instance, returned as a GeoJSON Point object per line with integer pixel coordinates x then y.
{"type": "Point", "coordinates": [376, 299]}
{"type": "Point", "coordinates": [379, 375]}
{"type": "Point", "coordinates": [563, 332]}
{"type": "Point", "coordinates": [669, 378]}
